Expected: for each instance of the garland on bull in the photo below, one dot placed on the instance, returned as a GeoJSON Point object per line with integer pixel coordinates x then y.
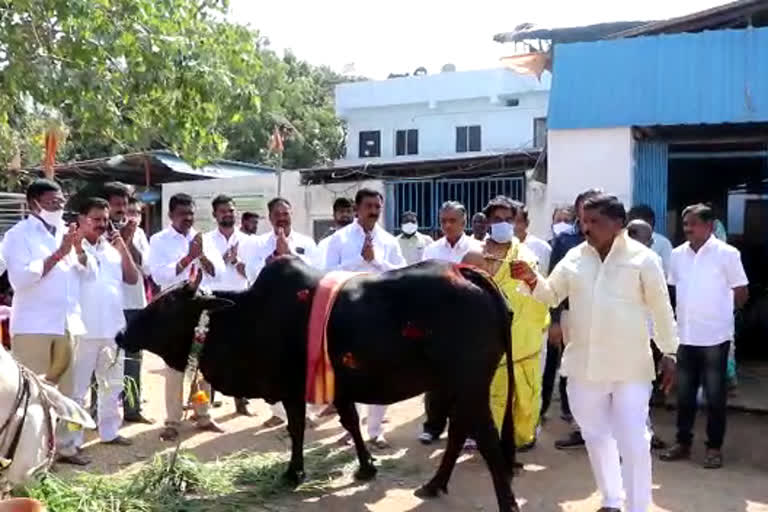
{"type": "Point", "coordinates": [201, 334]}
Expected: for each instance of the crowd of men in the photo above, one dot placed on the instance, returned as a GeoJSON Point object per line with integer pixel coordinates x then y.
{"type": "Point", "coordinates": [591, 304]}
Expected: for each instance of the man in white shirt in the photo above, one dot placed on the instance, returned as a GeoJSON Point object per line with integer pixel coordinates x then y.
{"type": "Point", "coordinates": [249, 223]}
{"type": "Point", "coordinates": [452, 247]}
{"type": "Point", "coordinates": [412, 243]}
{"type": "Point", "coordinates": [612, 282]}
{"type": "Point", "coordinates": [659, 244]}
{"type": "Point", "coordinates": [479, 227]}
{"type": "Point", "coordinates": [101, 298]}
{"type": "Point", "coordinates": [364, 246]}
{"type": "Point", "coordinates": [343, 215]}
{"type": "Point", "coordinates": [227, 240]}
{"type": "Point", "coordinates": [173, 252]}
{"type": "Point", "coordinates": [45, 262]}
{"type": "Point", "coordinates": [539, 247]}
{"type": "Point", "coordinates": [281, 240]}
{"type": "Point", "coordinates": [125, 215]}
{"type": "Point", "coordinates": [709, 280]}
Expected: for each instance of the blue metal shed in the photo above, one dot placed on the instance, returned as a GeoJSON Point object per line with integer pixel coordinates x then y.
{"type": "Point", "coordinates": [711, 77]}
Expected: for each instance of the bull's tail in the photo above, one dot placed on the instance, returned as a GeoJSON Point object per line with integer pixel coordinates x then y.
{"type": "Point", "coordinates": [486, 283]}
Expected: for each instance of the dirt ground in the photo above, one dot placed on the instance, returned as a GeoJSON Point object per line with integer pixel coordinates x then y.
{"type": "Point", "coordinates": [552, 480]}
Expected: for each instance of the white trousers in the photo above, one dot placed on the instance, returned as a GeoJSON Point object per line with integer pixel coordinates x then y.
{"type": "Point", "coordinates": [98, 356]}
{"type": "Point", "coordinates": [613, 419]}
{"type": "Point", "coordinates": [374, 420]}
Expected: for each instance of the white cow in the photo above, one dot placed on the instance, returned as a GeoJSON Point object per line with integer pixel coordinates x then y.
{"type": "Point", "coordinates": [29, 409]}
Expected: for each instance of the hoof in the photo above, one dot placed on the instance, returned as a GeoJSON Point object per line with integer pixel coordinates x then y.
{"type": "Point", "coordinates": [366, 473]}
{"type": "Point", "coordinates": [294, 478]}
{"type": "Point", "coordinates": [428, 492]}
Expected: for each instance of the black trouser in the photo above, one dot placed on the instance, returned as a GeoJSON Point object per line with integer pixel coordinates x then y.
{"type": "Point", "coordinates": [702, 366]}
{"type": "Point", "coordinates": [132, 370]}
{"type": "Point", "coordinates": [437, 406]}
{"type": "Point", "coordinates": [552, 363]}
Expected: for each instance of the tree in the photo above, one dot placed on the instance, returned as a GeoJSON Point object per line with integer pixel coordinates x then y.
{"type": "Point", "coordinates": [133, 75]}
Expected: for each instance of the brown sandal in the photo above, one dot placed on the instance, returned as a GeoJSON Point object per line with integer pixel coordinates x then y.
{"type": "Point", "coordinates": [169, 434]}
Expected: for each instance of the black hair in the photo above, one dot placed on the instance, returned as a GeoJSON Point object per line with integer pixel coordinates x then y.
{"type": "Point", "coordinates": [91, 203]}
{"type": "Point", "coordinates": [587, 194]}
{"type": "Point", "coordinates": [274, 202]}
{"type": "Point", "coordinates": [366, 192]}
{"type": "Point", "coordinates": [115, 189]}
{"type": "Point", "coordinates": [642, 212]}
{"type": "Point", "coordinates": [479, 215]}
{"type": "Point", "coordinates": [567, 209]}
{"type": "Point", "coordinates": [39, 187]}
{"type": "Point", "coordinates": [219, 200]}
{"type": "Point", "coordinates": [133, 200]}
{"type": "Point", "coordinates": [521, 209]}
{"type": "Point", "coordinates": [607, 205]}
{"type": "Point", "coordinates": [409, 213]}
{"type": "Point", "coordinates": [180, 199]}
{"type": "Point", "coordinates": [342, 203]}
{"type": "Point", "coordinates": [499, 202]}
{"type": "Point", "coordinates": [704, 212]}
{"type": "Point", "coordinates": [249, 216]}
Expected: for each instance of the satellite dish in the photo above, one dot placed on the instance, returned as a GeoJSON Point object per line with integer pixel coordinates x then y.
{"type": "Point", "coordinates": [421, 71]}
{"type": "Point", "coordinates": [448, 68]}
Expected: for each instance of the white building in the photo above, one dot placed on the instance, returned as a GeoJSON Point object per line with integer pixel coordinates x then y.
{"type": "Point", "coordinates": [445, 115]}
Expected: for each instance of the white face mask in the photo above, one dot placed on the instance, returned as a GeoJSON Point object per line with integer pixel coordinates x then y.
{"type": "Point", "coordinates": [53, 218]}
{"type": "Point", "coordinates": [409, 228]}
{"type": "Point", "coordinates": [502, 232]}
{"type": "Point", "coordinates": [560, 227]}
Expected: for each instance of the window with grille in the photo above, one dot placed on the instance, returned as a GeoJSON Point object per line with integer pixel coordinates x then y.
{"type": "Point", "coordinates": [468, 139]}
{"type": "Point", "coordinates": [370, 144]}
{"type": "Point", "coordinates": [406, 142]}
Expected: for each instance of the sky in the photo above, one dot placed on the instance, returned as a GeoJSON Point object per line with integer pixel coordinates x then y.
{"type": "Point", "coordinates": [374, 39]}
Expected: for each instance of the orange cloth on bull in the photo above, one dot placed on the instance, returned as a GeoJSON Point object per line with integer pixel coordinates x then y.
{"type": "Point", "coordinates": [320, 387]}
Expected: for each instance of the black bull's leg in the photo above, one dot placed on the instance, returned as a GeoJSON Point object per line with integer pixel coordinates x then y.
{"type": "Point", "coordinates": [351, 422]}
{"type": "Point", "coordinates": [296, 412]}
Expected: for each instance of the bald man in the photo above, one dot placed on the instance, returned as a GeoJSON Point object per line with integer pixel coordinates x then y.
{"type": "Point", "coordinates": [641, 231]}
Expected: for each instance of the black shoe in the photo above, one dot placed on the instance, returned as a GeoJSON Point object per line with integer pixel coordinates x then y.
{"type": "Point", "coordinates": [138, 418]}
{"type": "Point", "coordinates": [658, 444]}
{"type": "Point", "coordinates": [677, 452]}
{"type": "Point", "coordinates": [241, 407]}
{"type": "Point", "coordinates": [574, 440]}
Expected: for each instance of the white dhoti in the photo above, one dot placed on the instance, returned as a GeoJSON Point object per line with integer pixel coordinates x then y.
{"type": "Point", "coordinates": [613, 421]}
{"type": "Point", "coordinates": [375, 420]}
{"type": "Point", "coordinates": [98, 356]}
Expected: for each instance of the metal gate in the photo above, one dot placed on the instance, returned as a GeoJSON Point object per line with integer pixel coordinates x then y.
{"type": "Point", "coordinates": [424, 197]}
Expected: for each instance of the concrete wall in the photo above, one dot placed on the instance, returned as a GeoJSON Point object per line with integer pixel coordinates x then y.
{"type": "Point", "coordinates": [589, 158]}
{"type": "Point", "coordinates": [310, 203]}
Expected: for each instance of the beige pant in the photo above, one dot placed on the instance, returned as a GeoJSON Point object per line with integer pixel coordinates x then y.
{"type": "Point", "coordinates": [174, 399]}
{"type": "Point", "coordinates": [52, 356]}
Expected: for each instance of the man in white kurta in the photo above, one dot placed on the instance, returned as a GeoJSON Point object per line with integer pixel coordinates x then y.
{"type": "Point", "coordinates": [282, 240]}
{"type": "Point", "coordinates": [173, 253]}
{"type": "Point", "coordinates": [101, 299]}
{"type": "Point", "coordinates": [364, 246]}
{"type": "Point", "coordinates": [229, 242]}
{"type": "Point", "coordinates": [612, 282]}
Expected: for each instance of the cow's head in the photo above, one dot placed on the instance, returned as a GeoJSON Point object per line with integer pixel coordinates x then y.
{"type": "Point", "coordinates": [166, 327]}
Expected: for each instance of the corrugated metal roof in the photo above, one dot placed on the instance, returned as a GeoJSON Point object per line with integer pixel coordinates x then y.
{"type": "Point", "coordinates": [705, 78]}
{"type": "Point", "coordinates": [217, 169]}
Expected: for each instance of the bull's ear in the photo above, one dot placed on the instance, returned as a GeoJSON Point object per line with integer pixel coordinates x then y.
{"type": "Point", "coordinates": [210, 303]}
{"type": "Point", "coordinates": [66, 408]}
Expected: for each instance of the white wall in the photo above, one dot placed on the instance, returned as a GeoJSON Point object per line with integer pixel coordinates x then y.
{"type": "Point", "coordinates": [309, 202]}
{"type": "Point", "coordinates": [582, 159]}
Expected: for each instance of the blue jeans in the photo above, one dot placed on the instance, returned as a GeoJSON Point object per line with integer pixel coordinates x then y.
{"type": "Point", "coordinates": [707, 367]}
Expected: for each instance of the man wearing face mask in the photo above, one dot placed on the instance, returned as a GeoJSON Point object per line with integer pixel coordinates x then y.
{"type": "Point", "coordinates": [531, 317]}
{"type": "Point", "coordinates": [45, 262]}
{"type": "Point", "coordinates": [412, 243]}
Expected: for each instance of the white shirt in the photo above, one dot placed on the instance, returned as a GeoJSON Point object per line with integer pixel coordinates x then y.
{"type": "Point", "coordinates": [167, 247]}
{"type": "Point", "coordinates": [101, 293]}
{"type": "Point", "coordinates": [346, 245]}
{"type": "Point", "coordinates": [47, 304]}
{"type": "Point", "coordinates": [413, 247]}
{"type": "Point", "coordinates": [134, 295]}
{"type": "Point", "coordinates": [442, 250]}
{"type": "Point", "coordinates": [230, 280]}
{"type": "Point", "coordinates": [264, 245]}
{"type": "Point", "coordinates": [704, 283]}
{"type": "Point", "coordinates": [609, 302]}
{"type": "Point", "coordinates": [663, 247]}
{"type": "Point", "coordinates": [541, 249]}
{"type": "Point", "coordinates": [322, 248]}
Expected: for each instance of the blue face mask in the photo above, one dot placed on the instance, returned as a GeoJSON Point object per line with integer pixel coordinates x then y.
{"type": "Point", "coordinates": [502, 232]}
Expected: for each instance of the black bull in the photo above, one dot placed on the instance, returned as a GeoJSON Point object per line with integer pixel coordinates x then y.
{"type": "Point", "coordinates": [390, 337]}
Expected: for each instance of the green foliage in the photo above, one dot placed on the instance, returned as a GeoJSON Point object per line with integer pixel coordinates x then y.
{"type": "Point", "coordinates": [190, 485]}
{"type": "Point", "coordinates": [132, 75]}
